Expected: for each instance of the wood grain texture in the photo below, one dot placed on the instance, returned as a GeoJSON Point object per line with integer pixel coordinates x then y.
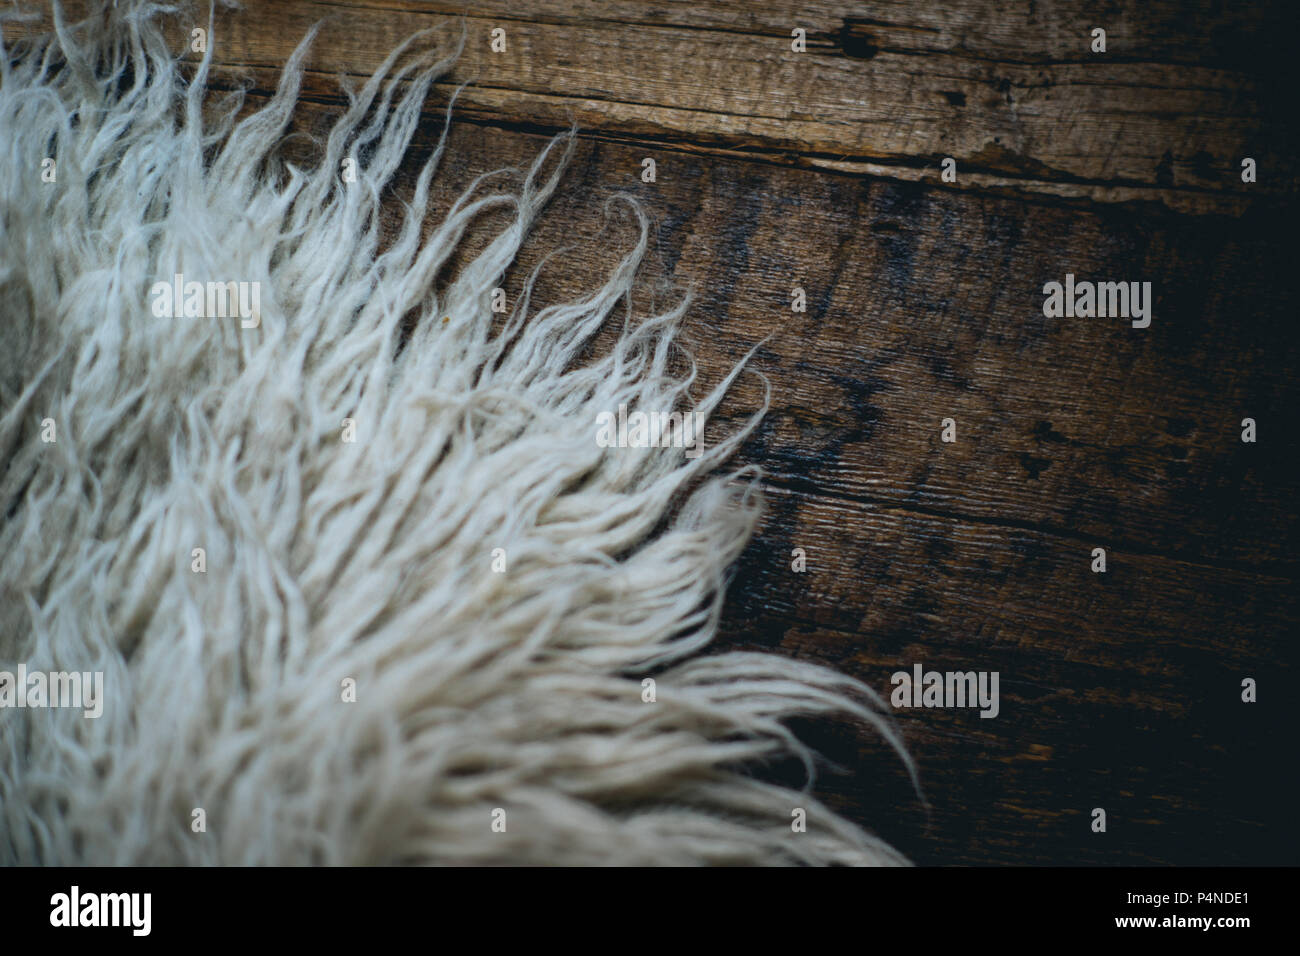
{"type": "Point", "coordinates": [1119, 690]}
{"type": "Point", "coordinates": [1017, 99]}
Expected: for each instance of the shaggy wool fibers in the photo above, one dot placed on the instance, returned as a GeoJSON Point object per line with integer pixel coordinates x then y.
{"type": "Point", "coordinates": [425, 644]}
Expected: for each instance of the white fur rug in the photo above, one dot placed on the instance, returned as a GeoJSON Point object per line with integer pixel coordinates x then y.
{"type": "Point", "coordinates": [349, 671]}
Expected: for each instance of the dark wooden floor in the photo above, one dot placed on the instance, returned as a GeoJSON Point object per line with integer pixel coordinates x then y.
{"type": "Point", "coordinates": [822, 169]}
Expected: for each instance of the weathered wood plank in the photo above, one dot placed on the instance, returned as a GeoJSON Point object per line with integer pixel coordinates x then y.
{"type": "Point", "coordinates": [1251, 40]}
{"type": "Point", "coordinates": [1023, 108]}
{"type": "Point", "coordinates": [1014, 96]}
